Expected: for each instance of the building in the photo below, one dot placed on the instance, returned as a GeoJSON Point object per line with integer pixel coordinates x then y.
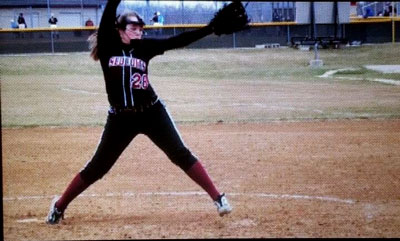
{"type": "Point", "coordinates": [74, 13]}
{"type": "Point", "coordinates": [71, 13]}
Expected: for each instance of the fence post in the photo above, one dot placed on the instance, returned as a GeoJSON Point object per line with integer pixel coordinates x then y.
{"type": "Point", "coordinates": [82, 13]}
{"type": "Point", "coordinates": [393, 31]}
{"type": "Point", "coordinates": [393, 24]}
{"type": "Point", "coordinates": [51, 32]}
{"type": "Point", "coordinates": [52, 41]}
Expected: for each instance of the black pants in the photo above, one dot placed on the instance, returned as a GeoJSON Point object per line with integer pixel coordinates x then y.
{"type": "Point", "coordinates": [120, 130]}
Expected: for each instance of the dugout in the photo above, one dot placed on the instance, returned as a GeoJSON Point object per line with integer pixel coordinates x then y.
{"type": "Point", "coordinates": [41, 40]}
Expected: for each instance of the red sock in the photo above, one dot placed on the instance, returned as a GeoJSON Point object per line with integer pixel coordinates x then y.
{"type": "Point", "coordinates": [76, 187]}
{"type": "Point", "coordinates": [198, 174]}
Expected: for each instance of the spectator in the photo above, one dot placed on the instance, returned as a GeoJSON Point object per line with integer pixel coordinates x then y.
{"type": "Point", "coordinates": [161, 18]}
{"type": "Point", "coordinates": [13, 25]}
{"type": "Point", "coordinates": [21, 21]}
{"type": "Point", "coordinates": [368, 12]}
{"type": "Point", "coordinates": [53, 24]}
{"type": "Point", "coordinates": [89, 23]}
{"type": "Point", "coordinates": [276, 17]}
{"type": "Point", "coordinates": [386, 13]}
{"type": "Point", "coordinates": [157, 19]}
{"type": "Point", "coordinates": [154, 19]}
{"type": "Point", "coordinates": [53, 21]}
{"type": "Point", "coordinates": [389, 11]}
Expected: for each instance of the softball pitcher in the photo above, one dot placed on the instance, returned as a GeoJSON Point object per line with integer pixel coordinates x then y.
{"type": "Point", "coordinates": [135, 108]}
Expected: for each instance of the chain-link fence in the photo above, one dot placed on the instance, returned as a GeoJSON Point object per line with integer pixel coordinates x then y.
{"type": "Point", "coordinates": [76, 40]}
{"type": "Point", "coordinates": [75, 13]}
{"type": "Point", "coordinates": [69, 35]}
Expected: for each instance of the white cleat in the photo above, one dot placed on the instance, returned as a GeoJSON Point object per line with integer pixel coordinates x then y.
{"type": "Point", "coordinates": [54, 215]}
{"type": "Point", "coordinates": [223, 206]}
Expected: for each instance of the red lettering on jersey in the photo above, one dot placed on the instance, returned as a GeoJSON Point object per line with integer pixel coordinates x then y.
{"type": "Point", "coordinates": [136, 81]}
{"type": "Point", "coordinates": [112, 61]}
{"type": "Point", "coordinates": [117, 61]}
{"type": "Point", "coordinates": [127, 61]}
{"type": "Point", "coordinates": [137, 63]}
{"type": "Point", "coordinates": [139, 81]}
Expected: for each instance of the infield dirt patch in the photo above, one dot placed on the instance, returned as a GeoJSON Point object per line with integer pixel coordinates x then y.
{"type": "Point", "coordinates": [284, 179]}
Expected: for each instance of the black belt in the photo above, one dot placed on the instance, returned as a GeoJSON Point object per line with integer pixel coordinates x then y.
{"type": "Point", "coordinates": [133, 109]}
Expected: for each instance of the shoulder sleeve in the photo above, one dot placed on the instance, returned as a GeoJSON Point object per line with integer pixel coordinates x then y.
{"type": "Point", "coordinates": [107, 33]}
{"type": "Point", "coordinates": [185, 38]}
{"type": "Point", "coordinates": [153, 47]}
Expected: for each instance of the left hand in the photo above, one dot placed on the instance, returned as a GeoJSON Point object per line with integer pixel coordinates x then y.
{"type": "Point", "coordinates": [229, 19]}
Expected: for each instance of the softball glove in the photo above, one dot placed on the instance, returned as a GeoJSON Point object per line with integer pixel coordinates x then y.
{"type": "Point", "coordinates": [229, 19]}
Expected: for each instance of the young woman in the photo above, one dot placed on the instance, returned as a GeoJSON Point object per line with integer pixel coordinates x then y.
{"type": "Point", "coordinates": [134, 106]}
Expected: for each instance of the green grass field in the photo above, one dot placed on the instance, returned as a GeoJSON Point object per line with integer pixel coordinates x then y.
{"type": "Point", "coordinates": [229, 85]}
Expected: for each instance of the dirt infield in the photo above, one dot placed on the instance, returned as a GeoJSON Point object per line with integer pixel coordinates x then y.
{"type": "Point", "coordinates": [284, 179]}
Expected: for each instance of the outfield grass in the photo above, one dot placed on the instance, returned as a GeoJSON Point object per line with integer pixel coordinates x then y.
{"type": "Point", "coordinates": [211, 85]}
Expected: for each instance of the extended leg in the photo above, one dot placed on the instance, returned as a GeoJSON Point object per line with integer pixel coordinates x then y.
{"type": "Point", "coordinates": [116, 137]}
{"type": "Point", "coordinates": [165, 135]}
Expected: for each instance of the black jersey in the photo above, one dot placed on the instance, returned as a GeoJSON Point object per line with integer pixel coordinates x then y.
{"type": "Point", "coordinates": [125, 67]}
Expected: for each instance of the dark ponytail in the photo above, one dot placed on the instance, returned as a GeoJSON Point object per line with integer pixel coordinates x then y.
{"type": "Point", "coordinates": [93, 46]}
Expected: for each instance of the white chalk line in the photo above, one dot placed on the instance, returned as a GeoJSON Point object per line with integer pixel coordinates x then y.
{"type": "Point", "coordinates": [384, 68]}
{"type": "Point", "coordinates": [387, 81]}
{"type": "Point", "coordinates": [81, 91]}
{"type": "Point", "coordinates": [29, 220]}
{"type": "Point", "coordinates": [330, 73]}
{"type": "Point", "coordinates": [34, 54]}
{"type": "Point", "coordinates": [132, 194]}
{"type": "Point", "coordinates": [259, 105]}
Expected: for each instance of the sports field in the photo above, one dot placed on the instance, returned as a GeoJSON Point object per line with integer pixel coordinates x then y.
{"type": "Point", "coordinates": [300, 152]}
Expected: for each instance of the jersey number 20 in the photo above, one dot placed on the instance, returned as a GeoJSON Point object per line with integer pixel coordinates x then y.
{"type": "Point", "coordinates": [139, 81]}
